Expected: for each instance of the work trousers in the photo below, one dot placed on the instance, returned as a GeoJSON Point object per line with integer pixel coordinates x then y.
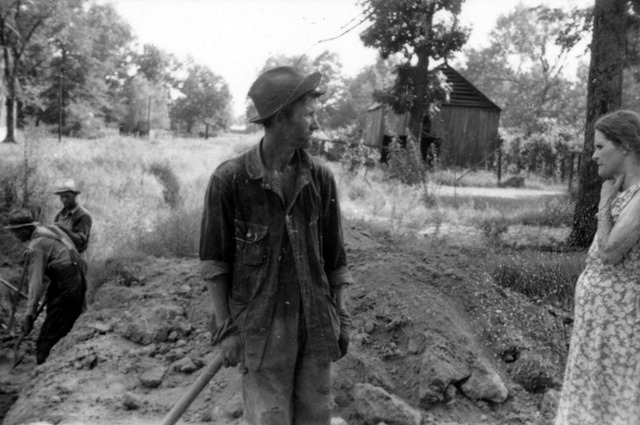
{"type": "Point", "coordinates": [290, 388]}
{"type": "Point", "coordinates": [65, 301]}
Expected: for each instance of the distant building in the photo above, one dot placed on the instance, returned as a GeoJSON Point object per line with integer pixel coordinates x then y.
{"type": "Point", "coordinates": [464, 133]}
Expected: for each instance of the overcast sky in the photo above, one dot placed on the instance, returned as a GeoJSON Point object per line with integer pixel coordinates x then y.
{"type": "Point", "coordinates": [235, 37]}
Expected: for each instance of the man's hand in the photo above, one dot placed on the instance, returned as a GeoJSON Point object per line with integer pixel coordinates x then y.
{"type": "Point", "coordinates": [345, 332]}
{"type": "Point", "coordinates": [27, 324]}
{"type": "Point", "coordinates": [231, 348]}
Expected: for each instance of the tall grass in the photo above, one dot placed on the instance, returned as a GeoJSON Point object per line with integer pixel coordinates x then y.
{"type": "Point", "coordinates": [145, 196]}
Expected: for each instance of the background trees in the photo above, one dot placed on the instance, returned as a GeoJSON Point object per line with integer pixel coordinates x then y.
{"type": "Point", "coordinates": [420, 31]}
{"type": "Point", "coordinates": [74, 64]}
{"type": "Point", "coordinates": [523, 70]}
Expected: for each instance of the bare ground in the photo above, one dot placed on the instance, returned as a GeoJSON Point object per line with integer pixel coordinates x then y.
{"type": "Point", "coordinates": [404, 288]}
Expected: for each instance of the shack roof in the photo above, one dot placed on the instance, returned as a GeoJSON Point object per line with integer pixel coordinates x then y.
{"type": "Point", "coordinates": [463, 93]}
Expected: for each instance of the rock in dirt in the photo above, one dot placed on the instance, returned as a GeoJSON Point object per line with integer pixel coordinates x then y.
{"type": "Point", "coordinates": [184, 365]}
{"type": "Point", "coordinates": [338, 421]}
{"type": "Point", "coordinates": [375, 405]}
{"type": "Point", "coordinates": [131, 401]}
{"type": "Point", "coordinates": [533, 373]}
{"type": "Point", "coordinates": [154, 324]}
{"type": "Point", "coordinates": [549, 403]}
{"type": "Point", "coordinates": [437, 372]}
{"type": "Point", "coordinates": [485, 385]}
{"type": "Point", "coordinates": [152, 377]}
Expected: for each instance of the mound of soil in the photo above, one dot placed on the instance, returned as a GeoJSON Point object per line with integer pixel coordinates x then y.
{"type": "Point", "coordinates": [431, 329]}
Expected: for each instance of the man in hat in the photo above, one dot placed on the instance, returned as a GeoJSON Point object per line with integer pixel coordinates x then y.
{"type": "Point", "coordinates": [72, 218]}
{"type": "Point", "coordinates": [51, 253]}
{"type": "Point", "coordinates": [272, 256]}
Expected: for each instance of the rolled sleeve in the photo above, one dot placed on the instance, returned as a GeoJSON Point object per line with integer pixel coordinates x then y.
{"type": "Point", "coordinates": [340, 277]}
{"type": "Point", "coordinates": [217, 243]}
{"type": "Point", "coordinates": [210, 269]}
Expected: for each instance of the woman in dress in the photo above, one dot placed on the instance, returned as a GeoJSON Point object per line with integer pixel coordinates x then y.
{"type": "Point", "coordinates": [602, 378]}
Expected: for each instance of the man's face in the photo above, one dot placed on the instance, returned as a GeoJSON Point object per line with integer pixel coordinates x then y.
{"type": "Point", "coordinates": [68, 199]}
{"type": "Point", "coordinates": [300, 125]}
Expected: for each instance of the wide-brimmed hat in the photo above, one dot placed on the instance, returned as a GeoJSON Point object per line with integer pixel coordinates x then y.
{"type": "Point", "coordinates": [279, 87]}
{"type": "Point", "coordinates": [66, 186]}
{"type": "Point", "coordinates": [21, 217]}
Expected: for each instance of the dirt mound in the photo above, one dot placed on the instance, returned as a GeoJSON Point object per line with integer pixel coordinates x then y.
{"type": "Point", "coordinates": [432, 330]}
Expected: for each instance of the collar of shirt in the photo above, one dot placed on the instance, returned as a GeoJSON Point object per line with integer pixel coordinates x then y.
{"type": "Point", "coordinates": [66, 213]}
{"type": "Point", "coordinates": [256, 168]}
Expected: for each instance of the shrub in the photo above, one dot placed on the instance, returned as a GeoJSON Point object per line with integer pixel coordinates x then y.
{"type": "Point", "coordinates": [169, 181]}
{"type": "Point", "coordinates": [405, 163]}
{"type": "Point", "coordinates": [174, 235]}
{"type": "Point", "coordinates": [541, 276]}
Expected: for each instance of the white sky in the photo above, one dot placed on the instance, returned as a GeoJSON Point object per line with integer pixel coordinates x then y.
{"type": "Point", "coordinates": [234, 38]}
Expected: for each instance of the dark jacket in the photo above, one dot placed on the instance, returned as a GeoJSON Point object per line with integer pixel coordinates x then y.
{"type": "Point", "coordinates": [77, 224]}
{"type": "Point", "coordinates": [242, 233]}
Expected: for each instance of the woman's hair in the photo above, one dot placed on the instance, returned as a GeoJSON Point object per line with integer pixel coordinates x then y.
{"type": "Point", "coordinates": [622, 128]}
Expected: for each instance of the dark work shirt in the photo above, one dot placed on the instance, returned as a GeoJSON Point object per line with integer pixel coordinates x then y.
{"type": "Point", "coordinates": [77, 223]}
{"type": "Point", "coordinates": [246, 225]}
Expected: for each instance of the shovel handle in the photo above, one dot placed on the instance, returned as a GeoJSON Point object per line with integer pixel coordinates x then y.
{"type": "Point", "coordinates": [195, 389]}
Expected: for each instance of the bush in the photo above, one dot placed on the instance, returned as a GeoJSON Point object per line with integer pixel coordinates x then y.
{"type": "Point", "coordinates": [405, 163]}
{"type": "Point", "coordinates": [169, 181]}
{"type": "Point", "coordinates": [543, 277]}
{"type": "Point", "coordinates": [174, 235]}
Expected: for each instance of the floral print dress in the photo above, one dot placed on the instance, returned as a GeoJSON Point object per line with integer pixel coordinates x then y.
{"type": "Point", "coordinates": [602, 378]}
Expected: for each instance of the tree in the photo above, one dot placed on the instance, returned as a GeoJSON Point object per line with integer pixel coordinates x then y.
{"type": "Point", "coordinates": [205, 100]}
{"type": "Point", "coordinates": [615, 24]}
{"type": "Point", "coordinates": [522, 70]}
{"type": "Point", "coordinates": [146, 106]}
{"type": "Point", "coordinates": [21, 22]}
{"type": "Point", "coordinates": [411, 28]}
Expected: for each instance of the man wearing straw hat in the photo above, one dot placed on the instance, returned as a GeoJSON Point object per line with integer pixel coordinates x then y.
{"type": "Point", "coordinates": [51, 253]}
{"type": "Point", "coordinates": [72, 218]}
{"type": "Point", "coordinates": [272, 256]}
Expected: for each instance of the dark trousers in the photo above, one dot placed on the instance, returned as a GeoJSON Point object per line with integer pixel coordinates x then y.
{"type": "Point", "coordinates": [65, 301]}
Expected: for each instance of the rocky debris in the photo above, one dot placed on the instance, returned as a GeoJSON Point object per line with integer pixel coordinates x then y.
{"type": "Point", "coordinates": [101, 328]}
{"type": "Point", "coordinates": [453, 361]}
{"type": "Point", "coordinates": [152, 377]}
{"type": "Point", "coordinates": [375, 405]}
{"type": "Point", "coordinates": [533, 373]}
{"type": "Point", "coordinates": [336, 420]}
{"type": "Point", "coordinates": [131, 401]}
{"type": "Point", "coordinates": [485, 385]}
{"type": "Point", "coordinates": [184, 365]}
{"type": "Point", "coordinates": [146, 325]}
{"type": "Point", "coordinates": [549, 404]}
{"type": "Point", "coordinates": [85, 360]}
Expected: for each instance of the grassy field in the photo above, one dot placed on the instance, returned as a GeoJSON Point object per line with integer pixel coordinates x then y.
{"type": "Point", "coordinates": [146, 196]}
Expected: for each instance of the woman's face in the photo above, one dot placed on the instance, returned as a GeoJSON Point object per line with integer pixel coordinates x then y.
{"type": "Point", "coordinates": [607, 156]}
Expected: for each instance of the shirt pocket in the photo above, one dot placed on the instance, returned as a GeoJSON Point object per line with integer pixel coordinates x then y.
{"type": "Point", "coordinates": [251, 260]}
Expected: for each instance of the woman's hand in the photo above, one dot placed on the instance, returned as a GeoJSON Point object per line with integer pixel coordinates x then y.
{"type": "Point", "coordinates": [608, 192]}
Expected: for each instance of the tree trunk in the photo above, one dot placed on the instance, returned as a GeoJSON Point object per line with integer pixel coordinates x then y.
{"type": "Point", "coordinates": [420, 79]}
{"type": "Point", "coordinates": [604, 95]}
{"type": "Point", "coordinates": [10, 79]}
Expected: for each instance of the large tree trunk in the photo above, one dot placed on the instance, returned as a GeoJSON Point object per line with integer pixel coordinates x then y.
{"type": "Point", "coordinates": [420, 79]}
{"type": "Point", "coordinates": [10, 80]}
{"type": "Point", "coordinates": [608, 48]}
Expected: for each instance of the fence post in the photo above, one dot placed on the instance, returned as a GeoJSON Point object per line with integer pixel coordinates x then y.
{"type": "Point", "coordinates": [571, 155]}
{"type": "Point", "coordinates": [499, 165]}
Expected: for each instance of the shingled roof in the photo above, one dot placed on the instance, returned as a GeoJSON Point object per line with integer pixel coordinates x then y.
{"type": "Point", "coordinates": [464, 94]}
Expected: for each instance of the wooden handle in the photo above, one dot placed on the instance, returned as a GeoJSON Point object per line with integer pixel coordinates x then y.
{"type": "Point", "coordinates": [186, 400]}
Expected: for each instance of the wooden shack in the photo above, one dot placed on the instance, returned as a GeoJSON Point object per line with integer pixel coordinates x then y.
{"type": "Point", "coordinates": [464, 132]}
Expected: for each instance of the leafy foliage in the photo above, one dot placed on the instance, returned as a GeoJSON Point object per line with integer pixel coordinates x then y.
{"type": "Point", "coordinates": [522, 70]}
{"type": "Point", "coordinates": [205, 101]}
{"type": "Point", "coordinates": [420, 31]}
